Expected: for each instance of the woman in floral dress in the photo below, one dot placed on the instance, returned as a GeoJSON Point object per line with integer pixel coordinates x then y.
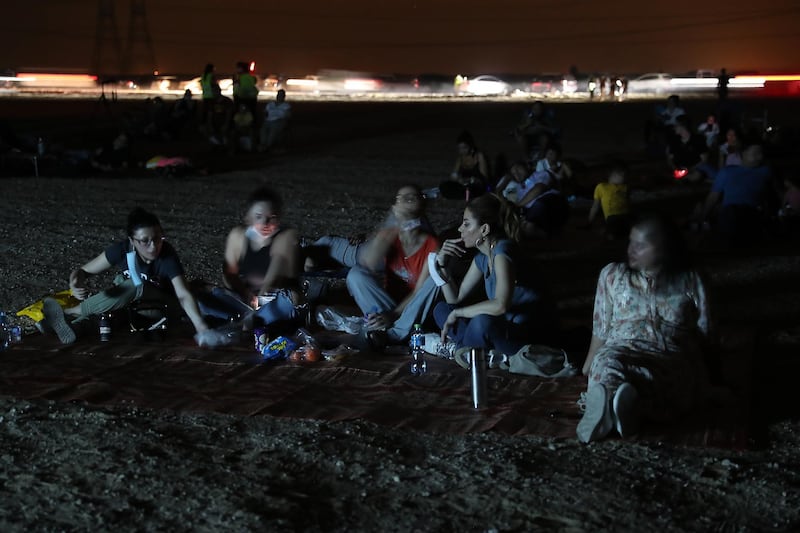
{"type": "Point", "coordinates": [651, 319]}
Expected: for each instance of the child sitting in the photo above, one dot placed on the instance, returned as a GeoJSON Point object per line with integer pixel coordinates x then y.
{"type": "Point", "coordinates": [613, 198]}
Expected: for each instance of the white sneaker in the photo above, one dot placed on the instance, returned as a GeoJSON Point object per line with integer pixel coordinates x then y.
{"type": "Point", "coordinates": [497, 359]}
{"type": "Point", "coordinates": [626, 410]}
{"type": "Point", "coordinates": [435, 346]}
{"type": "Point", "coordinates": [597, 421]}
{"type": "Point", "coordinates": [55, 319]}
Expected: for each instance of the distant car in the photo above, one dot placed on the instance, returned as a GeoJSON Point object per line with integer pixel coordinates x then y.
{"type": "Point", "coordinates": [654, 83]}
{"type": "Point", "coordinates": [485, 86]}
{"type": "Point", "coordinates": [362, 84]}
{"type": "Point", "coordinates": [551, 84]}
{"type": "Point", "coordinates": [569, 85]}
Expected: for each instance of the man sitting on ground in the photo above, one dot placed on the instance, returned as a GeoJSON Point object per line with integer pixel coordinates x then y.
{"type": "Point", "coordinates": [276, 119]}
{"type": "Point", "coordinates": [746, 193]}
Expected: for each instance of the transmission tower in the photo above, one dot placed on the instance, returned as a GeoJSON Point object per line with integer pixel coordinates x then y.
{"type": "Point", "coordinates": [107, 56]}
{"type": "Point", "coordinates": [140, 57]}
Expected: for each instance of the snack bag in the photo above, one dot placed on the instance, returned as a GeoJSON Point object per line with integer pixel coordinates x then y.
{"type": "Point", "coordinates": [278, 348]}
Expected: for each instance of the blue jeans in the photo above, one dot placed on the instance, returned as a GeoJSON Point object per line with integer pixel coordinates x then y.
{"type": "Point", "coordinates": [486, 331]}
{"type": "Point", "coordinates": [340, 250]}
{"type": "Point", "coordinates": [367, 290]}
{"type": "Point", "coordinates": [228, 305]}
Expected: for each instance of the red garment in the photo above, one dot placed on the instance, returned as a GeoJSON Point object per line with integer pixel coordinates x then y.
{"type": "Point", "coordinates": [403, 272]}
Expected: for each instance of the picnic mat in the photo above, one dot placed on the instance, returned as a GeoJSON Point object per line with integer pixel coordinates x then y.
{"type": "Point", "coordinates": [175, 374]}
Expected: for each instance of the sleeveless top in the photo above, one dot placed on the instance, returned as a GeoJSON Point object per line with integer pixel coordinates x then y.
{"type": "Point", "coordinates": [254, 264]}
{"type": "Point", "coordinates": [472, 171]}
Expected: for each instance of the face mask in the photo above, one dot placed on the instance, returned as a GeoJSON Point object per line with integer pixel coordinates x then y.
{"type": "Point", "coordinates": [408, 225]}
{"type": "Point", "coordinates": [254, 235]}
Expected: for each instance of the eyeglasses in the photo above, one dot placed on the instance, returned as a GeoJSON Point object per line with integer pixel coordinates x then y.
{"type": "Point", "coordinates": [407, 198]}
{"type": "Point", "coordinates": [266, 219]}
{"type": "Point", "coordinates": [147, 241]}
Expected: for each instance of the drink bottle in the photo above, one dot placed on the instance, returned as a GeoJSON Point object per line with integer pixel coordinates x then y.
{"type": "Point", "coordinates": [417, 345]}
{"type": "Point", "coordinates": [105, 327]}
{"type": "Point", "coordinates": [5, 332]}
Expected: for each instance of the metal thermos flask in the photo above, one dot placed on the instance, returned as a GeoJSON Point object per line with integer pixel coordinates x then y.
{"type": "Point", "coordinates": [477, 362]}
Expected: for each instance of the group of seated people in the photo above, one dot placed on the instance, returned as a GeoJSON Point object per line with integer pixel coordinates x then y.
{"type": "Point", "coordinates": [232, 123]}
{"type": "Point", "coordinates": [536, 185]}
{"type": "Point", "coordinates": [747, 201]}
{"type": "Point", "coordinates": [476, 289]}
{"type": "Point", "coordinates": [157, 120]}
{"type": "Point", "coordinates": [240, 129]}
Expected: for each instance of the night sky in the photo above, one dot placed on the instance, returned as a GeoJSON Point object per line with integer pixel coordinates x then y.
{"type": "Point", "coordinates": [410, 36]}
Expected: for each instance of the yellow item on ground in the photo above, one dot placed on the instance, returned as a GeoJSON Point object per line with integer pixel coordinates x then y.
{"type": "Point", "coordinates": [34, 311]}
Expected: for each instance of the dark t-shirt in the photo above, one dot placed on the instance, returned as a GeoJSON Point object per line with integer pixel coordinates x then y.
{"type": "Point", "coordinates": [159, 272]}
{"type": "Point", "coordinates": [687, 154]}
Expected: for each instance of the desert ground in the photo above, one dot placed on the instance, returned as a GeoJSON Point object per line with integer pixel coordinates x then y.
{"type": "Point", "coordinates": [76, 466]}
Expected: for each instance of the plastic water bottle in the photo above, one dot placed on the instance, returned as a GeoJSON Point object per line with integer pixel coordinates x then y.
{"type": "Point", "coordinates": [105, 327]}
{"type": "Point", "coordinates": [16, 334]}
{"type": "Point", "coordinates": [417, 344]}
{"type": "Point", "coordinates": [5, 332]}
{"type": "Point", "coordinates": [40, 148]}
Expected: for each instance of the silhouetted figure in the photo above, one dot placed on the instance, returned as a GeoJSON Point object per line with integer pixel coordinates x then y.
{"type": "Point", "coordinates": [722, 85]}
{"type": "Point", "coordinates": [276, 119]}
{"type": "Point", "coordinates": [208, 81]}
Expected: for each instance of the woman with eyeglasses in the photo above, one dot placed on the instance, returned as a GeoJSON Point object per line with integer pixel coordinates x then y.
{"type": "Point", "coordinates": [390, 283]}
{"type": "Point", "coordinates": [261, 270]}
{"type": "Point", "coordinates": [150, 270]}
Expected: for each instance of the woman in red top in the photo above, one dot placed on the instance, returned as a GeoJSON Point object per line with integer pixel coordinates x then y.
{"type": "Point", "coordinates": [391, 283]}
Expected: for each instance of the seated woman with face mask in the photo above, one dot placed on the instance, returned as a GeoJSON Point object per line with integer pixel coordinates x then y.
{"type": "Point", "coordinates": [261, 270]}
{"type": "Point", "coordinates": [388, 276]}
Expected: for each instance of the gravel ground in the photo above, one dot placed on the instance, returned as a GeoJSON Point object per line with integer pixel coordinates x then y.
{"type": "Point", "coordinates": [75, 467]}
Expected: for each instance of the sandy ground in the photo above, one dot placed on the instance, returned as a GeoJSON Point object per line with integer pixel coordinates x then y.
{"type": "Point", "coordinates": [75, 467]}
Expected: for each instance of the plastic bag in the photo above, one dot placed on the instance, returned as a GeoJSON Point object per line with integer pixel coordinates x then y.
{"type": "Point", "coordinates": [307, 350]}
{"type": "Point", "coordinates": [301, 347]}
{"type": "Point", "coordinates": [333, 320]}
{"type": "Point", "coordinates": [34, 311]}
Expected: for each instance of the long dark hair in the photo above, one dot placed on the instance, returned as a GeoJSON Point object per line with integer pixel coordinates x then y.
{"type": "Point", "coordinates": [465, 137]}
{"type": "Point", "coordinates": [498, 212]}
